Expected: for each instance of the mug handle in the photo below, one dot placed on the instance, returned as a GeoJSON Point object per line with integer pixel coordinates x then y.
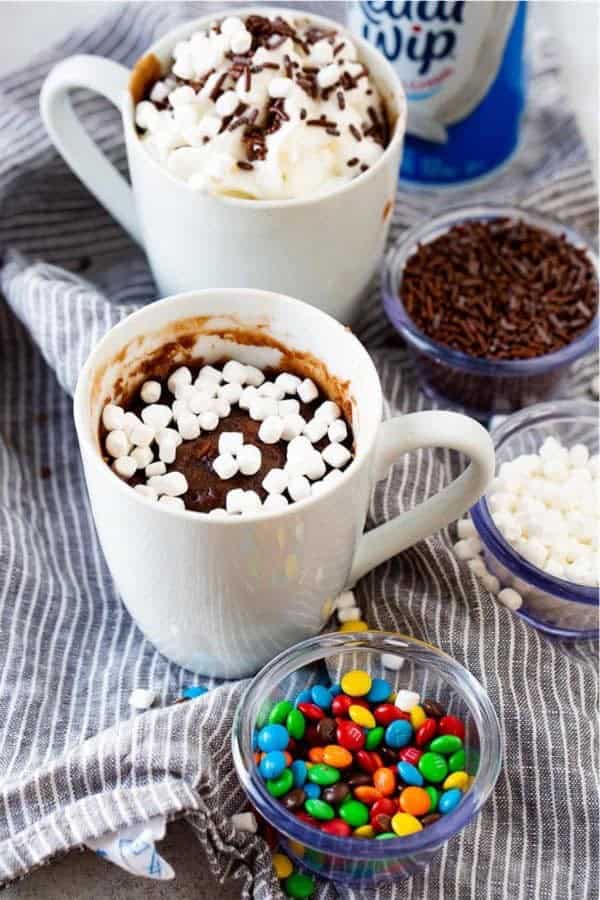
{"type": "Point", "coordinates": [415, 431]}
{"type": "Point", "coordinates": [72, 141]}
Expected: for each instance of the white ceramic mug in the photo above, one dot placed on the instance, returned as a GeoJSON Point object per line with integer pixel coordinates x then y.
{"type": "Point", "coordinates": [222, 596]}
{"type": "Point", "coordinates": [321, 248]}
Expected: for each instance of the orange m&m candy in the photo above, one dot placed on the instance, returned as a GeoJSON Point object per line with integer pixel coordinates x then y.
{"type": "Point", "coordinates": [415, 801]}
{"type": "Point", "coordinates": [367, 794]}
{"type": "Point", "coordinates": [336, 756]}
{"type": "Point", "coordinates": [316, 754]}
{"type": "Point", "coordinates": [384, 780]}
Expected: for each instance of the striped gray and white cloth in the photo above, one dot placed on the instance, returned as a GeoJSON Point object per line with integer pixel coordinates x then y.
{"type": "Point", "coordinates": [74, 761]}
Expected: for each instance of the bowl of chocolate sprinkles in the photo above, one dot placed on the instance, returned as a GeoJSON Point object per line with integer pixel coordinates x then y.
{"type": "Point", "coordinates": [495, 303]}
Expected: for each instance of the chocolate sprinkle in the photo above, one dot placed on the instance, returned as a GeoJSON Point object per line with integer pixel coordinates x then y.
{"type": "Point", "coordinates": [501, 289]}
{"type": "Point", "coordinates": [246, 166]}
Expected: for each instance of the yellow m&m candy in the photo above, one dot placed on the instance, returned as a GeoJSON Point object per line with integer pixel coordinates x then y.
{"type": "Point", "coordinates": [356, 683]}
{"type": "Point", "coordinates": [282, 865]}
{"type": "Point", "coordinates": [404, 824]}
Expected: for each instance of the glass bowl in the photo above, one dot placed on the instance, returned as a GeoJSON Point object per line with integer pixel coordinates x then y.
{"type": "Point", "coordinates": [560, 608]}
{"type": "Point", "coordinates": [476, 386]}
{"type": "Point", "coordinates": [414, 665]}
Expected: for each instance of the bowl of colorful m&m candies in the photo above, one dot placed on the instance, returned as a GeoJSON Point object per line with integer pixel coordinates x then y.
{"type": "Point", "coordinates": [365, 753]}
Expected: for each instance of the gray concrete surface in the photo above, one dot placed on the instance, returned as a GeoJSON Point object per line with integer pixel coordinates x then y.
{"type": "Point", "coordinates": [82, 876]}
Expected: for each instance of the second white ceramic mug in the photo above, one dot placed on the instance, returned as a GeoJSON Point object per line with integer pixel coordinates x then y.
{"type": "Point", "coordinates": [321, 248]}
{"type": "Point", "coordinates": [223, 596]}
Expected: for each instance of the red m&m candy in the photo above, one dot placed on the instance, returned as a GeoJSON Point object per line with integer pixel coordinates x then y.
{"type": "Point", "coordinates": [452, 725]}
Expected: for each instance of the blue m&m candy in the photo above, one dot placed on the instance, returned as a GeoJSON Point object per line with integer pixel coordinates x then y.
{"type": "Point", "coordinates": [304, 696]}
{"type": "Point", "coordinates": [273, 737]}
{"type": "Point", "coordinates": [194, 690]}
{"type": "Point", "coordinates": [312, 791]}
{"type": "Point", "coordinates": [380, 691]}
{"type": "Point", "coordinates": [299, 771]}
{"type": "Point", "coordinates": [321, 696]}
{"type": "Point", "coordinates": [272, 764]}
{"type": "Point", "coordinates": [449, 801]}
{"type": "Point", "coordinates": [410, 774]}
{"type": "Point", "coordinates": [398, 733]}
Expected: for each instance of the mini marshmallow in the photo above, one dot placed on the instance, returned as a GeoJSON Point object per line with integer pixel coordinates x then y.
{"type": "Point", "coordinates": [146, 491]}
{"type": "Point", "coordinates": [350, 614]}
{"type": "Point", "coordinates": [287, 382]}
{"type": "Point", "coordinates": [391, 661]}
{"type": "Point", "coordinates": [226, 105]}
{"type": "Point", "coordinates": [199, 401]}
{"type": "Point", "coordinates": [466, 529]}
{"type": "Point", "coordinates": [226, 466]}
{"type": "Point", "coordinates": [218, 513]}
{"type": "Point", "coordinates": [169, 434]}
{"type": "Point", "coordinates": [233, 501]}
{"type": "Point", "coordinates": [254, 376]}
{"type": "Point", "coordinates": [298, 487]}
{"type": "Point", "coordinates": [234, 372]}
{"type": "Point", "coordinates": [151, 391]}
{"type": "Point", "coordinates": [142, 456]}
{"type": "Point", "coordinates": [405, 700]}
{"type": "Point", "coordinates": [173, 502]}
{"type": "Point", "coordinates": [336, 455]}
{"type": "Point", "coordinates": [155, 468]}
{"type": "Point", "coordinates": [510, 598]}
{"type": "Point", "coordinates": [230, 442]}
{"type": "Point", "coordinates": [337, 431]}
{"type": "Point", "coordinates": [173, 484]}
{"type": "Point", "coordinates": [307, 390]}
{"type": "Point", "coordinates": [112, 417]}
{"type": "Point", "coordinates": [271, 430]}
{"type": "Point", "coordinates": [142, 435]}
{"type": "Point", "coordinates": [178, 407]}
{"type": "Point", "coordinates": [221, 407]}
{"type": "Point", "coordinates": [209, 373]}
{"type": "Point", "coordinates": [157, 415]}
{"type": "Point", "coordinates": [179, 377]}
{"type": "Point", "coordinates": [245, 821]}
{"type": "Point", "coordinates": [117, 443]}
{"type": "Point", "coordinates": [130, 421]}
{"type": "Point", "coordinates": [250, 502]}
{"type": "Point", "coordinates": [158, 94]}
{"type": "Point", "coordinates": [288, 408]}
{"type": "Point", "coordinates": [280, 87]}
{"type": "Point", "coordinates": [299, 447]}
{"type": "Point", "coordinates": [275, 502]}
{"type": "Point", "coordinates": [293, 426]}
{"type": "Point", "coordinates": [491, 583]}
{"type": "Point", "coordinates": [328, 411]}
{"type": "Point", "coordinates": [478, 567]}
{"type": "Point", "coordinates": [271, 389]}
{"type": "Point", "coordinates": [321, 53]}
{"type": "Point", "coordinates": [345, 600]}
{"type": "Point", "coordinates": [315, 430]}
{"type": "Point", "coordinates": [262, 407]}
{"type": "Point", "coordinates": [208, 420]}
{"type": "Point", "coordinates": [231, 25]}
{"type": "Point", "coordinates": [167, 450]}
{"type": "Point", "coordinates": [276, 481]}
{"type": "Point", "coordinates": [249, 459]}
{"type": "Point", "coordinates": [314, 466]}
{"type": "Point", "coordinates": [142, 698]}
{"type": "Point", "coordinates": [124, 466]}
{"type": "Point", "coordinates": [247, 396]}
{"type": "Point", "coordinates": [328, 76]}
{"type": "Point", "coordinates": [241, 42]}
{"type": "Point", "coordinates": [231, 392]}
{"type": "Point", "coordinates": [188, 426]}
{"type": "Point", "coordinates": [468, 548]}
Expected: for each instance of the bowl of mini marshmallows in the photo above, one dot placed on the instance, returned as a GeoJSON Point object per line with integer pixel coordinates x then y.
{"type": "Point", "coordinates": [539, 521]}
{"type": "Point", "coordinates": [495, 303]}
{"type": "Point", "coordinates": [365, 753]}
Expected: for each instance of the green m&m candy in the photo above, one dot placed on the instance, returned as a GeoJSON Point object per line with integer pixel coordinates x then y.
{"type": "Point", "coordinates": [280, 712]}
{"type": "Point", "coordinates": [299, 885]}
{"type": "Point", "coordinates": [434, 796]}
{"type": "Point", "coordinates": [374, 737]}
{"type": "Point", "coordinates": [456, 763]}
{"type": "Point", "coordinates": [433, 767]}
{"type": "Point", "coordinates": [277, 787]}
{"type": "Point", "coordinates": [323, 774]}
{"type": "Point", "coordinates": [295, 724]}
{"type": "Point", "coordinates": [319, 809]}
{"type": "Point", "coordinates": [354, 813]}
{"type": "Point", "coordinates": [446, 743]}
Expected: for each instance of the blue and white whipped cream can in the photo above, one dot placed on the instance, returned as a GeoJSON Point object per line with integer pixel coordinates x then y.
{"type": "Point", "coordinates": [464, 75]}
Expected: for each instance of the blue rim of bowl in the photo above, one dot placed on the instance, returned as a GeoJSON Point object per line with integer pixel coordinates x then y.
{"type": "Point", "coordinates": [391, 281]}
{"type": "Point", "coordinates": [431, 838]}
{"type": "Point", "coordinates": [499, 547]}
